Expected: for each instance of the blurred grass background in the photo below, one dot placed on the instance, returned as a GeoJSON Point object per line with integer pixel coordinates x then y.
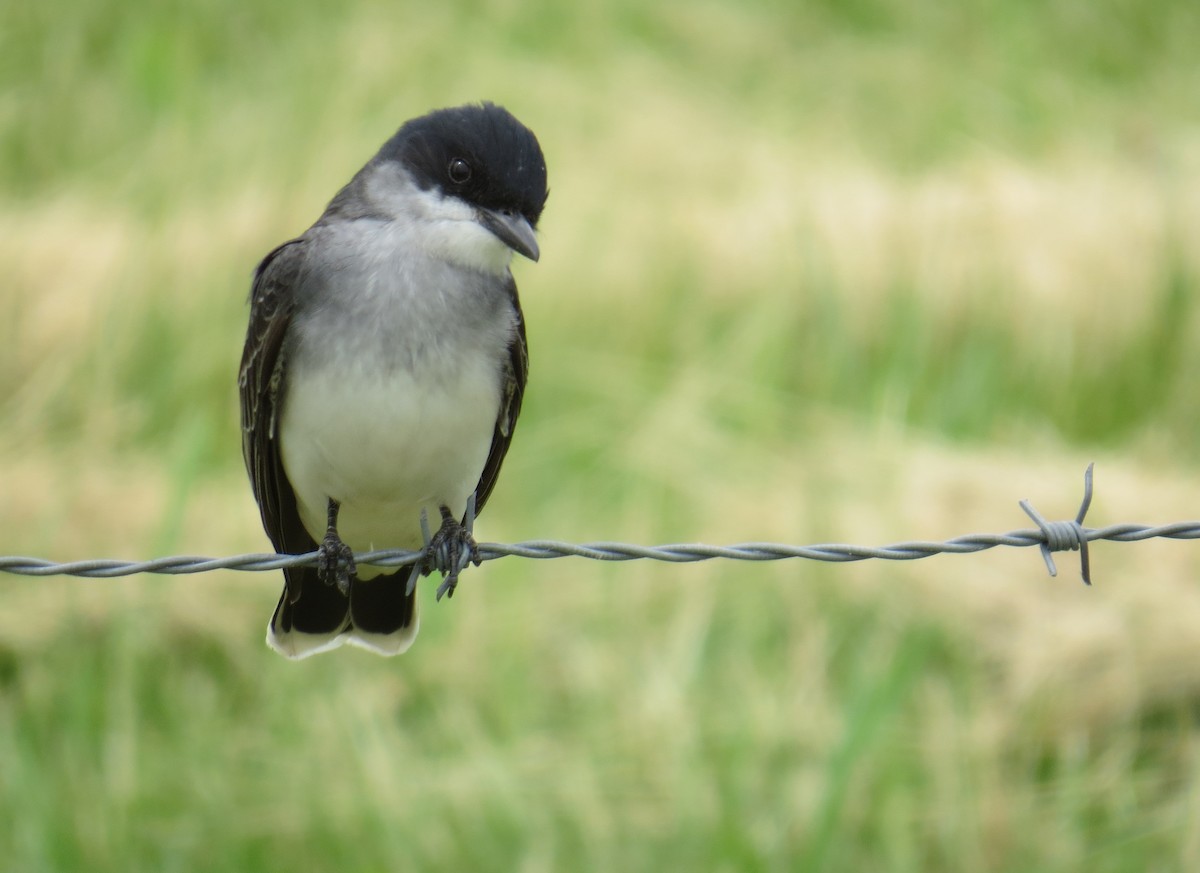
{"type": "Point", "coordinates": [853, 271]}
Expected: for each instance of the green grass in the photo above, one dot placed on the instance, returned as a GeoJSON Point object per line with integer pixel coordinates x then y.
{"type": "Point", "coordinates": [812, 272]}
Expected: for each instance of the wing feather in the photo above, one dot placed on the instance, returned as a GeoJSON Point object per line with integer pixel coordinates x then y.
{"type": "Point", "coordinates": [516, 371]}
{"type": "Point", "coordinates": [261, 382]}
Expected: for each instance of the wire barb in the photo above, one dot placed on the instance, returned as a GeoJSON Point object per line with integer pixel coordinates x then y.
{"type": "Point", "coordinates": [1061, 536]}
{"type": "Point", "coordinates": [427, 538]}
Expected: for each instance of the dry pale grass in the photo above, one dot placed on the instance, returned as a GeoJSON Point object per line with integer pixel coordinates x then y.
{"type": "Point", "coordinates": [1070, 241]}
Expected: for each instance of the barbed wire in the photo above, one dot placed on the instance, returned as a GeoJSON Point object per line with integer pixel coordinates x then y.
{"type": "Point", "coordinates": [1049, 536]}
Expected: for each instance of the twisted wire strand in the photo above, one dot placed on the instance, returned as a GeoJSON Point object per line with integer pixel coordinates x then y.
{"type": "Point", "coordinates": [677, 553]}
{"type": "Point", "coordinates": [1050, 536]}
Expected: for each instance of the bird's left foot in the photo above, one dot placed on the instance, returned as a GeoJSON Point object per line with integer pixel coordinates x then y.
{"type": "Point", "coordinates": [451, 549]}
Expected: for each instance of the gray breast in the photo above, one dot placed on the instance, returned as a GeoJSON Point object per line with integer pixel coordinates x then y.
{"type": "Point", "coordinates": [367, 302]}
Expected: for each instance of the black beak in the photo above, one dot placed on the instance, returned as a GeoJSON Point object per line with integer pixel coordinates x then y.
{"type": "Point", "coordinates": [512, 229]}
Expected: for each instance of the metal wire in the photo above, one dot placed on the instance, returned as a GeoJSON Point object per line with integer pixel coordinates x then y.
{"type": "Point", "coordinates": [1049, 536]}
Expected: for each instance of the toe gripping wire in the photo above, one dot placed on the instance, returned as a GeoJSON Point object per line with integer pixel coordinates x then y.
{"type": "Point", "coordinates": [441, 557]}
{"type": "Point", "coordinates": [1062, 536]}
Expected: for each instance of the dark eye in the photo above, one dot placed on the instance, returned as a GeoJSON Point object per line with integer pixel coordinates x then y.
{"type": "Point", "coordinates": [459, 171]}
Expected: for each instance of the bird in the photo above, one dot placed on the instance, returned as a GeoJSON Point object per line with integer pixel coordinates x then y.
{"type": "Point", "coordinates": [383, 372]}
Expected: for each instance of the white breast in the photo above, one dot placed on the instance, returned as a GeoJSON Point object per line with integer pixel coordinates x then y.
{"type": "Point", "coordinates": [385, 446]}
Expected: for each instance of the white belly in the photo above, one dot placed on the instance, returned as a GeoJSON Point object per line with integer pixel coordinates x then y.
{"type": "Point", "coordinates": [385, 448]}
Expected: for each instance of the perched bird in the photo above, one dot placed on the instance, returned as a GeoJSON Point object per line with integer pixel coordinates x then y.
{"type": "Point", "coordinates": [383, 372]}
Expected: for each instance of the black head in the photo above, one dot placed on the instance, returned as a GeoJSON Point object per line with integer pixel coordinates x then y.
{"type": "Point", "coordinates": [480, 154]}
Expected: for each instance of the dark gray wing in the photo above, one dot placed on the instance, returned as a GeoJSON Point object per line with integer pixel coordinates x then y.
{"type": "Point", "coordinates": [516, 370]}
{"type": "Point", "coordinates": [309, 613]}
{"type": "Point", "coordinates": [261, 383]}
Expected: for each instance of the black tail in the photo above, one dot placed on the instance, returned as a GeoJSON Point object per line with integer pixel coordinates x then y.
{"type": "Point", "coordinates": [313, 617]}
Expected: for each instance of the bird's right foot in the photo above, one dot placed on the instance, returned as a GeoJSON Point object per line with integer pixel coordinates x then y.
{"type": "Point", "coordinates": [335, 559]}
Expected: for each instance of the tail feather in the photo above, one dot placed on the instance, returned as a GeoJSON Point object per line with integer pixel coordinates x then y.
{"type": "Point", "coordinates": [383, 618]}
{"type": "Point", "coordinates": [313, 617]}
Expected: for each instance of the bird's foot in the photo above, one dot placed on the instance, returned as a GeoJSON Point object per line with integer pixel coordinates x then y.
{"type": "Point", "coordinates": [335, 559]}
{"type": "Point", "coordinates": [451, 549]}
{"type": "Point", "coordinates": [335, 563]}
